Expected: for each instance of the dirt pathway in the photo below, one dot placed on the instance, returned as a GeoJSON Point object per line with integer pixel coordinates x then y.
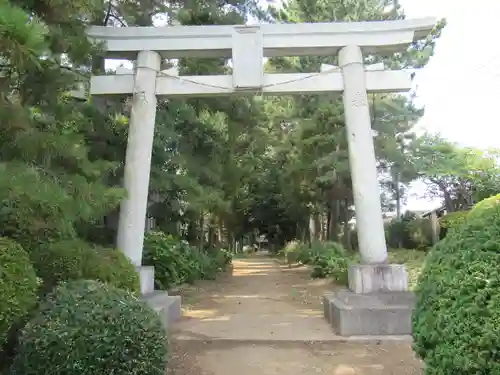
{"type": "Point", "coordinates": [267, 319]}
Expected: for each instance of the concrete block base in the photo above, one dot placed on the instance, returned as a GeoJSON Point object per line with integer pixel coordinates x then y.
{"type": "Point", "coordinates": [370, 278]}
{"type": "Point", "coordinates": [168, 307]}
{"type": "Point", "coordinates": [384, 313]}
{"type": "Point", "coordinates": [146, 279]}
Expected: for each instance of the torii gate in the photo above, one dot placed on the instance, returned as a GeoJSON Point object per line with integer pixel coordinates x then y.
{"type": "Point", "coordinates": [247, 45]}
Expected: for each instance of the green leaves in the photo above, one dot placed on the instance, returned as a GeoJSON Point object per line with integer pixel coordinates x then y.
{"type": "Point", "coordinates": [176, 262]}
{"type": "Point", "coordinates": [22, 38]}
{"type": "Point", "coordinates": [460, 175]}
{"type": "Point", "coordinates": [328, 259]}
{"type": "Point", "coordinates": [75, 260]}
{"type": "Point", "coordinates": [88, 328]}
{"type": "Point", "coordinates": [456, 320]}
{"type": "Point", "coordinates": [18, 286]}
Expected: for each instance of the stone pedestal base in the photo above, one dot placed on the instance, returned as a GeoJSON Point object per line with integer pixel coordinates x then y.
{"type": "Point", "coordinates": [146, 279]}
{"type": "Point", "coordinates": [378, 302]}
{"type": "Point", "coordinates": [169, 307]}
{"type": "Point", "coordinates": [383, 313]}
{"type": "Point", "coordinates": [369, 278]}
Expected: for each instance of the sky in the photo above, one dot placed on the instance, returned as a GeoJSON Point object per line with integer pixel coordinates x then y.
{"type": "Point", "coordinates": [460, 87]}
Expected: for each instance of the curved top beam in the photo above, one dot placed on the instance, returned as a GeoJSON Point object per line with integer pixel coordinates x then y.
{"type": "Point", "coordinates": [317, 39]}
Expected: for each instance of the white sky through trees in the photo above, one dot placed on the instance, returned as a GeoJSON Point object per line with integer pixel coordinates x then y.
{"type": "Point", "coordinates": [460, 87]}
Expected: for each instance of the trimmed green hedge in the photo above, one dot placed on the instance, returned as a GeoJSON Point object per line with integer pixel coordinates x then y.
{"type": "Point", "coordinates": [453, 219]}
{"type": "Point", "coordinates": [90, 328]}
{"type": "Point", "coordinates": [456, 322]}
{"type": "Point", "coordinates": [483, 206]}
{"type": "Point", "coordinates": [18, 286]}
{"type": "Point", "coordinates": [76, 259]}
{"type": "Point", "coordinates": [117, 269]}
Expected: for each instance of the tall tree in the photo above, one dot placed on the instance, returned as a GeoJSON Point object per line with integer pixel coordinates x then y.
{"type": "Point", "coordinates": [460, 176]}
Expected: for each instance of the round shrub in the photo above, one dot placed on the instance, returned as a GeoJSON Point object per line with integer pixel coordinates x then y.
{"type": "Point", "coordinates": [18, 286]}
{"type": "Point", "coordinates": [118, 270]}
{"type": "Point", "coordinates": [65, 260]}
{"type": "Point", "coordinates": [90, 328]}
{"type": "Point", "coordinates": [456, 322]}
{"type": "Point", "coordinates": [76, 260]}
{"type": "Point", "coordinates": [485, 204]}
{"type": "Point", "coordinates": [453, 219]}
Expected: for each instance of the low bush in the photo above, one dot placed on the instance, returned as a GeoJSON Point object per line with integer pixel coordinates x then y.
{"type": "Point", "coordinates": [76, 260]}
{"type": "Point", "coordinates": [456, 322]}
{"type": "Point", "coordinates": [18, 286]}
{"type": "Point", "coordinates": [328, 259]}
{"type": "Point", "coordinates": [176, 262]}
{"type": "Point", "coordinates": [294, 251]}
{"type": "Point", "coordinates": [420, 233]}
{"type": "Point", "coordinates": [409, 232]}
{"type": "Point", "coordinates": [90, 328]}
{"type": "Point", "coordinates": [116, 269]}
{"type": "Point", "coordinates": [396, 233]}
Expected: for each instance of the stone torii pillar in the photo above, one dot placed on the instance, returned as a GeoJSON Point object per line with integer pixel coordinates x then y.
{"type": "Point", "coordinates": [374, 274]}
{"type": "Point", "coordinates": [362, 160]}
{"type": "Point", "coordinates": [138, 157]}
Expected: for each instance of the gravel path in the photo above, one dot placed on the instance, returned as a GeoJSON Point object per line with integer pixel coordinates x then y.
{"type": "Point", "coordinates": [267, 319]}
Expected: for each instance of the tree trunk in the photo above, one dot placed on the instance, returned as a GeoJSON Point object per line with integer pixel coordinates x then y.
{"type": "Point", "coordinates": [220, 231]}
{"type": "Point", "coordinates": [322, 221]}
{"type": "Point", "coordinates": [333, 221]}
{"type": "Point", "coordinates": [212, 238]}
{"type": "Point", "coordinates": [313, 227]}
{"type": "Point", "coordinates": [398, 195]}
{"type": "Point", "coordinates": [347, 228]}
{"type": "Point", "coordinates": [201, 244]}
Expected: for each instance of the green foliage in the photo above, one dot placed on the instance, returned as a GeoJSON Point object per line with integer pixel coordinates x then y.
{"type": "Point", "coordinates": [420, 232]}
{"type": "Point", "coordinates": [458, 175]}
{"type": "Point", "coordinates": [484, 205]}
{"type": "Point", "coordinates": [36, 212]}
{"type": "Point", "coordinates": [456, 322]}
{"type": "Point", "coordinates": [76, 259]}
{"type": "Point", "coordinates": [453, 219]}
{"type": "Point", "coordinates": [89, 328]}
{"type": "Point", "coordinates": [176, 262]}
{"type": "Point", "coordinates": [117, 270]}
{"type": "Point", "coordinates": [18, 286]}
{"type": "Point", "coordinates": [292, 251]}
{"type": "Point", "coordinates": [409, 232]}
{"type": "Point", "coordinates": [328, 259]}
{"type": "Point", "coordinates": [396, 233]}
